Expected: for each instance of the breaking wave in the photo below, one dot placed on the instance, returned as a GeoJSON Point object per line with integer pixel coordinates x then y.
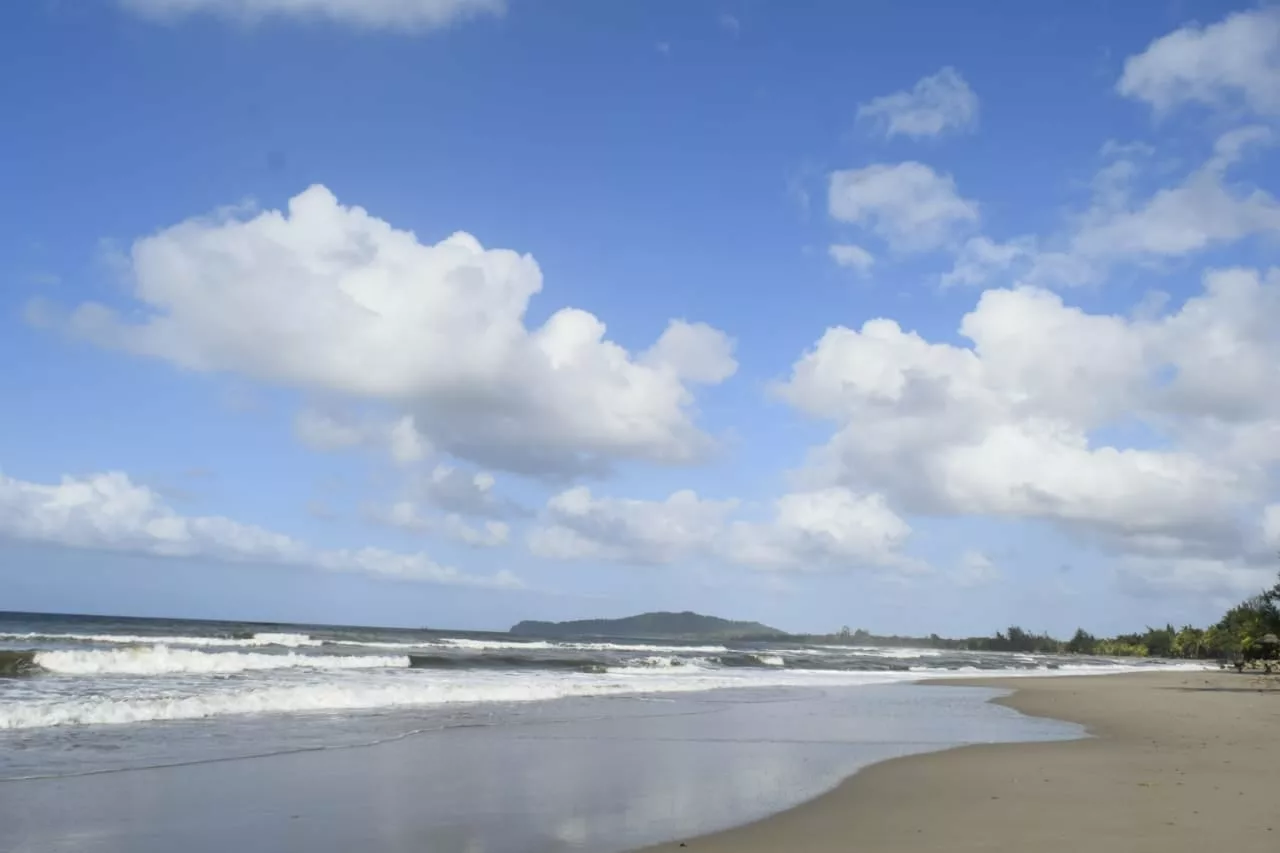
{"type": "Point", "coordinates": [265, 638]}
{"type": "Point", "coordinates": [493, 645]}
{"type": "Point", "coordinates": [14, 664]}
{"type": "Point", "coordinates": [338, 697]}
{"type": "Point", "coordinates": [163, 660]}
{"type": "Point", "coordinates": [505, 662]}
{"type": "Point", "coordinates": [753, 659]}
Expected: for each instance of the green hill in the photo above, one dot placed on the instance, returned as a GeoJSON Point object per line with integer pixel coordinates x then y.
{"type": "Point", "coordinates": [651, 626]}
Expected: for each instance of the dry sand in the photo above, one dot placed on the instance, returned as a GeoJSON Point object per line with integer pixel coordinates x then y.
{"type": "Point", "coordinates": [1178, 762]}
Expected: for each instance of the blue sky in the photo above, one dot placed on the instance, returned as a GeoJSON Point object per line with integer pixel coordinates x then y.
{"type": "Point", "coordinates": [917, 328]}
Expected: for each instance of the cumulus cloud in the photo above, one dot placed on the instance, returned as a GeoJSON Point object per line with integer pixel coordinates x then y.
{"type": "Point", "coordinates": [330, 299]}
{"type": "Point", "coordinates": [408, 516]}
{"type": "Point", "coordinates": [578, 525]}
{"type": "Point", "coordinates": [1232, 63]}
{"type": "Point", "coordinates": [413, 16]}
{"type": "Point", "coordinates": [1016, 424]}
{"type": "Point", "coordinates": [439, 502]}
{"type": "Point", "coordinates": [1201, 212]}
{"type": "Point", "coordinates": [110, 512]}
{"type": "Point", "coordinates": [832, 527]}
{"type": "Point", "coordinates": [1204, 210]}
{"type": "Point", "coordinates": [852, 257]}
{"type": "Point", "coordinates": [936, 104]}
{"type": "Point", "coordinates": [908, 205]}
{"type": "Point", "coordinates": [820, 529]}
{"type": "Point", "coordinates": [694, 351]}
{"type": "Point", "coordinates": [463, 492]}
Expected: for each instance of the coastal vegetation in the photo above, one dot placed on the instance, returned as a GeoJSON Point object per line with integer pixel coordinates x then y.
{"type": "Point", "coordinates": [1242, 632]}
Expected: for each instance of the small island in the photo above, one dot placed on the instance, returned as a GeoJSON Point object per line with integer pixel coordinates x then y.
{"type": "Point", "coordinates": [651, 626]}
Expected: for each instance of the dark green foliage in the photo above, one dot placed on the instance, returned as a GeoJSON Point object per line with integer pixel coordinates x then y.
{"type": "Point", "coordinates": [1236, 635]}
{"type": "Point", "coordinates": [1081, 643]}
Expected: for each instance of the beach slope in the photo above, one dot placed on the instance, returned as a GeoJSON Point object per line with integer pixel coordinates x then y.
{"type": "Point", "coordinates": [1183, 761]}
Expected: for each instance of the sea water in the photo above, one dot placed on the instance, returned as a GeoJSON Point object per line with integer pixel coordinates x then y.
{"type": "Point", "coordinates": [140, 735]}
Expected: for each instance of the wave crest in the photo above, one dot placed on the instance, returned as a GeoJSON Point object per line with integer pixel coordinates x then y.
{"type": "Point", "coordinates": [17, 664]}
{"type": "Point", "coordinates": [265, 638]}
{"type": "Point", "coordinates": [163, 660]}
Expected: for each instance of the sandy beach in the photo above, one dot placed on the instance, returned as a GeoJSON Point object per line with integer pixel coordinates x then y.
{"type": "Point", "coordinates": [1177, 762]}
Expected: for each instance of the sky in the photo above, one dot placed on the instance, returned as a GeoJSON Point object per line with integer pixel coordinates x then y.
{"type": "Point", "coordinates": [917, 317]}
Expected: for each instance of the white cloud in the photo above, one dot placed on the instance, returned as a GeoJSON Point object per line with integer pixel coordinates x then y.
{"type": "Point", "coordinates": [455, 490]}
{"type": "Point", "coordinates": [825, 528]}
{"type": "Point", "coordinates": [851, 257]}
{"type": "Point", "coordinates": [1231, 147]}
{"type": "Point", "coordinates": [694, 351]}
{"type": "Point", "coordinates": [975, 569]}
{"type": "Point", "coordinates": [908, 205]}
{"type": "Point", "coordinates": [729, 23]}
{"type": "Point", "coordinates": [331, 431]}
{"type": "Point", "coordinates": [110, 512]}
{"type": "Point", "coordinates": [1223, 582]}
{"type": "Point", "coordinates": [980, 258]}
{"type": "Point", "coordinates": [1202, 212]}
{"type": "Point", "coordinates": [330, 299]}
{"type": "Point", "coordinates": [821, 529]}
{"type": "Point", "coordinates": [401, 15]}
{"type": "Point", "coordinates": [1015, 426]}
{"type": "Point", "coordinates": [405, 444]}
{"type": "Point", "coordinates": [439, 502]}
{"type": "Point", "coordinates": [1115, 149]}
{"type": "Point", "coordinates": [406, 515]}
{"type": "Point", "coordinates": [1235, 62]}
{"type": "Point", "coordinates": [936, 103]}
{"type": "Point", "coordinates": [1224, 347]}
{"type": "Point", "coordinates": [578, 525]}
{"type": "Point", "coordinates": [321, 431]}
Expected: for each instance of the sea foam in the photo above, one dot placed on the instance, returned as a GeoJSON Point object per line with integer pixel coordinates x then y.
{"type": "Point", "coordinates": [260, 639]}
{"type": "Point", "coordinates": [372, 691]}
{"type": "Point", "coordinates": [368, 695]}
{"type": "Point", "coordinates": [163, 660]}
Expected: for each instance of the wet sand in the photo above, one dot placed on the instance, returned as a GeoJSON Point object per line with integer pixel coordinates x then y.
{"type": "Point", "coordinates": [1184, 761]}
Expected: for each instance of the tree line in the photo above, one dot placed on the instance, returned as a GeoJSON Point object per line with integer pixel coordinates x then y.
{"type": "Point", "coordinates": [1238, 633]}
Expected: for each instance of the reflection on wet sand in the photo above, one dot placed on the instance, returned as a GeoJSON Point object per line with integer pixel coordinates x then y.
{"type": "Point", "coordinates": [587, 775]}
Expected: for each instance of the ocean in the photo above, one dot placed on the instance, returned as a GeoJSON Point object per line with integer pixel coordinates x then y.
{"type": "Point", "coordinates": [390, 739]}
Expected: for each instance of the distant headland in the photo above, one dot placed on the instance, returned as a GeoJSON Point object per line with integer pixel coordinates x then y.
{"type": "Point", "coordinates": [651, 626]}
{"type": "Point", "coordinates": [1248, 633]}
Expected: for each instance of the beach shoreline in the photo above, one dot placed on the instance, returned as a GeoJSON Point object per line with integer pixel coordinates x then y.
{"type": "Point", "coordinates": [1174, 761]}
{"type": "Point", "coordinates": [574, 775]}
{"type": "Point", "coordinates": [1168, 761]}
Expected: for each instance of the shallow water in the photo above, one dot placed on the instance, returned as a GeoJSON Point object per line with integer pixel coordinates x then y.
{"type": "Point", "coordinates": [73, 672]}
{"type": "Point", "coordinates": [140, 735]}
{"type": "Point", "coordinates": [578, 774]}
